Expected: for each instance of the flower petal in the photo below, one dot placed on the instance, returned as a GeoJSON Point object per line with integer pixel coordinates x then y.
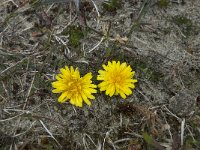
{"type": "Point", "coordinates": [63, 97]}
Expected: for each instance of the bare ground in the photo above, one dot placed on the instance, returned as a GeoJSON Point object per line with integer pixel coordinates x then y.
{"type": "Point", "coordinates": [159, 39]}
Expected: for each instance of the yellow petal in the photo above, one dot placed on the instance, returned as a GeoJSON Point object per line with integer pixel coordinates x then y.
{"type": "Point", "coordinates": [134, 81]}
{"type": "Point", "coordinates": [103, 86]}
{"type": "Point", "coordinates": [91, 90]}
{"type": "Point", "coordinates": [79, 101]}
{"type": "Point", "coordinates": [92, 86]}
{"type": "Point", "coordinates": [59, 77]}
{"type": "Point", "coordinates": [104, 67]}
{"type": "Point", "coordinates": [114, 63]}
{"type": "Point", "coordinates": [59, 85]}
{"type": "Point", "coordinates": [100, 77]}
{"type": "Point", "coordinates": [72, 101]}
{"type": "Point", "coordinates": [112, 90]}
{"type": "Point", "coordinates": [108, 90]}
{"type": "Point", "coordinates": [130, 85]}
{"type": "Point", "coordinates": [62, 98]}
{"type": "Point", "coordinates": [85, 99]}
{"type": "Point", "coordinates": [122, 95]}
{"type": "Point", "coordinates": [67, 69]}
{"type": "Point", "coordinates": [101, 72]}
{"type": "Point", "coordinates": [71, 70]}
{"type": "Point", "coordinates": [88, 76]}
{"type": "Point", "coordinates": [76, 73]}
{"type": "Point", "coordinates": [109, 63]}
{"type": "Point", "coordinates": [56, 91]}
{"type": "Point", "coordinates": [128, 91]}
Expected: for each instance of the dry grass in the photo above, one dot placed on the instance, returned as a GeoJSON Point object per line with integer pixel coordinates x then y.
{"type": "Point", "coordinates": [159, 39]}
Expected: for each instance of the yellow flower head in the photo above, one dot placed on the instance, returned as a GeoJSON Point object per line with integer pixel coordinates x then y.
{"type": "Point", "coordinates": [73, 87]}
{"type": "Point", "coordinates": [116, 79]}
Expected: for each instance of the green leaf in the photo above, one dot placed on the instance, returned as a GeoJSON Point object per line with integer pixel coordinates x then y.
{"type": "Point", "coordinates": [148, 138]}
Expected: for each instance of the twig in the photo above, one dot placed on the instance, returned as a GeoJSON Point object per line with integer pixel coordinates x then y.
{"type": "Point", "coordinates": [182, 130]}
{"type": "Point", "coordinates": [134, 134]}
{"type": "Point", "coordinates": [11, 118]}
{"type": "Point", "coordinates": [122, 140]}
{"type": "Point", "coordinates": [25, 131]}
{"type": "Point", "coordinates": [104, 140]}
{"type": "Point", "coordinates": [187, 126]}
{"type": "Point", "coordinates": [179, 119]}
{"type": "Point", "coordinates": [97, 10]}
{"type": "Point", "coordinates": [52, 120]}
{"type": "Point", "coordinates": [50, 133]}
{"type": "Point", "coordinates": [170, 133]}
{"type": "Point", "coordinates": [6, 91]}
{"type": "Point", "coordinates": [8, 2]}
{"type": "Point", "coordinates": [3, 73]}
{"type": "Point", "coordinates": [50, 8]}
{"type": "Point", "coordinates": [96, 45]}
{"type": "Point", "coordinates": [86, 135]}
{"type": "Point", "coordinates": [141, 13]}
{"type": "Point", "coordinates": [29, 91]}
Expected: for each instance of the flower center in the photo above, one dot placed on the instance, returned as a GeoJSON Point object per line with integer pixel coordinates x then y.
{"type": "Point", "coordinates": [116, 78]}
{"type": "Point", "coordinates": [75, 85]}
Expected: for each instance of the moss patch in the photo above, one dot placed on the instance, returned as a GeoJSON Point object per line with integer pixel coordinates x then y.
{"type": "Point", "coordinates": [111, 5]}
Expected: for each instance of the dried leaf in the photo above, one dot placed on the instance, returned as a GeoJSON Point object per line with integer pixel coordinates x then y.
{"type": "Point", "coordinates": [121, 40]}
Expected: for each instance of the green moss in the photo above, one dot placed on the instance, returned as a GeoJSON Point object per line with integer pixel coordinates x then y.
{"type": "Point", "coordinates": [114, 52]}
{"type": "Point", "coordinates": [147, 71]}
{"type": "Point", "coordinates": [9, 16]}
{"type": "Point", "coordinates": [41, 83]}
{"type": "Point", "coordinates": [166, 31]}
{"type": "Point", "coordinates": [197, 142]}
{"type": "Point", "coordinates": [147, 138]}
{"type": "Point", "coordinates": [34, 3]}
{"type": "Point", "coordinates": [75, 35]}
{"type": "Point", "coordinates": [111, 5]}
{"type": "Point", "coordinates": [184, 23]}
{"type": "Point", "coordinates": [181, 20]}
{"type": "Point", "coordinates": [163, 3]}
{"type": "Point", "coordinates": [59, 63]}
{"type": "Point", "coordinates": [189, 142]}
{"type": "Point", "coordinates": [1, 92]}
{"type": "Point", "coordinates": [157, 76]}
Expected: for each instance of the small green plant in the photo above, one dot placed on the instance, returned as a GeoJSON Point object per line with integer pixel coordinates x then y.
{"type": "Point", "coordinates": [111, 5]}
{"type": "Point", "coordinates": [166, 30]}
{"type": "Point", "coordinates": [184, 23]}
{"type": "Point", "coordinates": [181, 20]}
{"type": "Point", "coordinates": [163, 3]}
{"type": "Point", "coordinates": [9, 17]}
{"type": "Point", "coordinates": [151, 142]}
{"type": "Point", "coordinates": [148, 138]}
{"type": "Point", "coordinates": [75, 35]}
{"type": "Point", "coordinates": [148, 72]}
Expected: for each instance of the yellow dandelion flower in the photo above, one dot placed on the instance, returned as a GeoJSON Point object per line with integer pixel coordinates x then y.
{"type": "Point", "coordinates": [74, 88]}
{"type": "Point", "coordinates": [117, 79]}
